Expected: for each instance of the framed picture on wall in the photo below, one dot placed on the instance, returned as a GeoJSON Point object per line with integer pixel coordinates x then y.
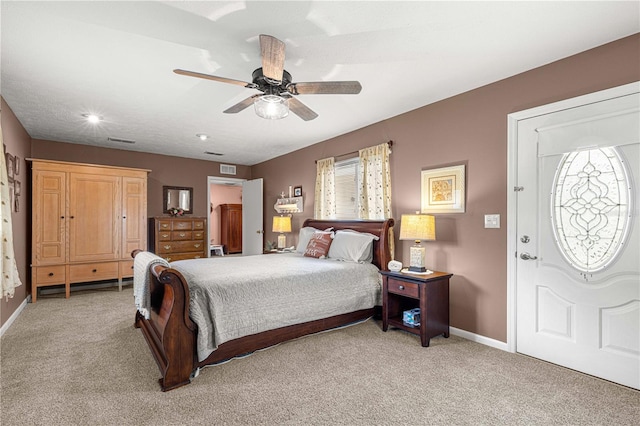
{"type": "Point", "coordinates": [443, 190]}
{"type": "Point", "coordinates": [11, 165]}
{"type": "Point", "coordinates": [297, 191]}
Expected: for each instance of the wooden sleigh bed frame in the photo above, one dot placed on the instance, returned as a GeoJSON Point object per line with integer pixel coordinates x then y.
{"type": "Point", "coordinates": [171, 334]}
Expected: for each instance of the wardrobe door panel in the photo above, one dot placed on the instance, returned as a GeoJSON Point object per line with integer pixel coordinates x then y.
{"type": "Point", "coordinates": [94, 217]}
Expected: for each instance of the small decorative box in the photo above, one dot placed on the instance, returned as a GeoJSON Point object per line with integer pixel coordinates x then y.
{"type": "Point", "coordinates": [411, 318]}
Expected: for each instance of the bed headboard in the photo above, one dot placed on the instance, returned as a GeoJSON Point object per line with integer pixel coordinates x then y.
{"type": "Point", "coordinates": [380, 228]}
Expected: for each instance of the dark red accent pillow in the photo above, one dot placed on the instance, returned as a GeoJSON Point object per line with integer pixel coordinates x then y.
{"type": "Point", "coordinates": [319, 244]}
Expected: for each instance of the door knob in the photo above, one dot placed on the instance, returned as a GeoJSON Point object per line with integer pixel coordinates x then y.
{"type": "Point", "coordinates": [527, 256]}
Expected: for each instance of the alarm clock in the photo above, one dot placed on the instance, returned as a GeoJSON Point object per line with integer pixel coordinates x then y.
{"type": "Point", "coordinates": [395, 266]}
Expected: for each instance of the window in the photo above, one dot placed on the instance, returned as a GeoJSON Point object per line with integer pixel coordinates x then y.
{"type": "Point", "coordinates": [346, 182]}
{"type": "Point", "coordinates": [591, 208]}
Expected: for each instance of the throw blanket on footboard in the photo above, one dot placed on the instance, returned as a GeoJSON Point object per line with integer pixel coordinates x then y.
{"type": "Point", "coordinates": [233, 297]}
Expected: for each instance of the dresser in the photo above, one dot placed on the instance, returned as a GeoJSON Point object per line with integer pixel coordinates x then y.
{"type": "Point", "coordinates": [231, 227]}
{"type": "Point", "coordinates": [87, 219]}
{"type": "Point", "coordinates": [178, 238]}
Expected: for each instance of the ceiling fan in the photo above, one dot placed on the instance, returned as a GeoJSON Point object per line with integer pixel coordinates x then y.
{"type": "Point", "coordinates": [277, 89]}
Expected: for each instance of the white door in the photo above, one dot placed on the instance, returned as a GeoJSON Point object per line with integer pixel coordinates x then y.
{"type": "Point", "coordinates": [252, 217]}
{"type": "Point", "coordinates": [578, 235]}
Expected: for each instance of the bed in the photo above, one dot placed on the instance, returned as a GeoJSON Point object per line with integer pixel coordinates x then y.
{"type": "Point", "coordinates": [173, 336]}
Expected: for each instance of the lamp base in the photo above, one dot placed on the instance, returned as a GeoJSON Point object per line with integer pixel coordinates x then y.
{"type": "Point", "coordinates": [420, 269]}
{"type": "Point", "coordinates": [282, 241]}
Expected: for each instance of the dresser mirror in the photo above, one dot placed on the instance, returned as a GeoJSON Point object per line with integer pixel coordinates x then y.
{"type": "Point", "coordinates": [178, 197]}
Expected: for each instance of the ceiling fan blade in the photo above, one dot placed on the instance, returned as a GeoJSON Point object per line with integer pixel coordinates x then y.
{"type": "Point", "coordinates": [241, 105]}
{"type": "Point", "coordinates": [272, 51]}
{"type": "Point", "coordinates": [325, 88]}
{"type": "Point", "coordinates": [301, 110]}
{"type": "Point", "coordinates": [215, 78]}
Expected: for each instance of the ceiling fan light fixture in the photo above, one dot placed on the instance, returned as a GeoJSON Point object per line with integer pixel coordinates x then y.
{"type": "Point", "coordinates": [271, 107]}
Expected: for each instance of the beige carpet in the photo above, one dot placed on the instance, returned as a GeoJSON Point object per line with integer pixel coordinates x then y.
{"type": "Point", "coordinates": [80, 361]}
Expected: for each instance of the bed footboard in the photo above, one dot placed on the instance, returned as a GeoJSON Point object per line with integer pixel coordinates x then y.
{"type": "Point", "coordinates": [169, 332]}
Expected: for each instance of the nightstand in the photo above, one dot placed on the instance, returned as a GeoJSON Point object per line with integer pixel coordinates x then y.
{"type": "Point", "coordinates": [405, 291]}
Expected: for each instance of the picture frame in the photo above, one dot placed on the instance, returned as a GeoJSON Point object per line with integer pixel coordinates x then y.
{"type": "Point", "coordinates": [443, 190]}
{"type": "Point", "coordinates": [297, 191]}
{"type": "Point", "coordinates": [11, 165]}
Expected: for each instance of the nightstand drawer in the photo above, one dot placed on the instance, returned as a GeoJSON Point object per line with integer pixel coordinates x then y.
{"type": "Point", "coordinates": [404, 288]}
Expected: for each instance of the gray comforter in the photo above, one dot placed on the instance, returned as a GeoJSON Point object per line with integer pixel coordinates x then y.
{"type": "Point", "coordinates": [232, 297]}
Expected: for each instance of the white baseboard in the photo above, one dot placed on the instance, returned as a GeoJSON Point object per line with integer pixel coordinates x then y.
{"type": "Point", "coordinates": [15, 315]}
{"type": "Point", "coordinates": [479, 339]}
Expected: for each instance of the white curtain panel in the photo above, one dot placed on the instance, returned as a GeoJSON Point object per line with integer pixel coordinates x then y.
{"type": "Point", "coordinates": [10, 277]}
{"type": "Point", "coordinates": [325, 194]}
{"type": "Point", "coordinates": [375, 182]}
{"type": "Point", "coordinates": [375, 186]}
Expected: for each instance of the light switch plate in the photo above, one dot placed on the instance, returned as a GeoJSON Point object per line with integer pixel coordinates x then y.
{"type": "Point", "coordinates": [492, 221]}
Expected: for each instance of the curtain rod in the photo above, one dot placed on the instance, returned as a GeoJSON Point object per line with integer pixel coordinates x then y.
{"type": "Point", "coordinates": [390, 143]}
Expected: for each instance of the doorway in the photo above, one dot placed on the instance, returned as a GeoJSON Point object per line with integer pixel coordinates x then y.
{"type": "Point", "coordinates": [237, 191]}
{"type": "Point", "coordinates": [573, 288]}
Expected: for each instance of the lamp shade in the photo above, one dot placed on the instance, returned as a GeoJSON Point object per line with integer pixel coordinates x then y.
{"type": "Point", "coordinates": [418, 227]}
{"type": "Point", "coordinates": [271, 107]}
{"type": "Point", "coordinates": [281, 224]}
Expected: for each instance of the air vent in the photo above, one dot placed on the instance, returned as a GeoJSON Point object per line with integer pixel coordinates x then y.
{"type": "Point", "coordinates": [212, 153]}
{"type": "Point", "coordinates": [227, 169]}
{"type": "Point", "coordinates": [121, 140]}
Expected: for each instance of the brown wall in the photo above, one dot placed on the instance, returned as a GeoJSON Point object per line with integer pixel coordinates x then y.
{"type": "Point", "coordinates": [18, 143]}
{"type": "Point", "coordinates": [165, 170]}
{"type": "Point", "coordinates": [470, 129]}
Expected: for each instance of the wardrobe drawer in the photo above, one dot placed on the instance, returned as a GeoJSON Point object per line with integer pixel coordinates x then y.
{"type": "Point", "coordinates": [126, 268]}
{"type": "Point", "coordinates": [50, 274]}
{"type": "Point", "coordinates": [93, 271]}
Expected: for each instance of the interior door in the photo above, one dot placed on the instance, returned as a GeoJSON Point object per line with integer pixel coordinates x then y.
{"type": "Point", "coordinates": [252, 217]}
{"type": "Point", "coordinates": [578, 231]}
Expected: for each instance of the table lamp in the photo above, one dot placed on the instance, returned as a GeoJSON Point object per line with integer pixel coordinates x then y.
{"type": "Point", "coordinates": [417, 227]}
{"type": "Point", "coordinates": [281, 224]}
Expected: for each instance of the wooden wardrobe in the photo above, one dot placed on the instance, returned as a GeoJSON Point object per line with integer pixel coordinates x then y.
{"type": "Point", "coordinates": [87, 219]}
{"type": "Point", "coordinates": [231, 227]}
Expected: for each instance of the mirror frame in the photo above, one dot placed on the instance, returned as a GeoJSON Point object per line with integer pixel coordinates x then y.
{"type": "Point", "coordinates": [165, 197]}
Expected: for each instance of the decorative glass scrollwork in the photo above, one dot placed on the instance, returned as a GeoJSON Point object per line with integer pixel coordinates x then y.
{"type": "Point", "coordinates": [590, 208]}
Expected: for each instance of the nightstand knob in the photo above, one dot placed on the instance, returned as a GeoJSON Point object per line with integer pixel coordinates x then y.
{"type": "Point", "coordinates": [401, 287]}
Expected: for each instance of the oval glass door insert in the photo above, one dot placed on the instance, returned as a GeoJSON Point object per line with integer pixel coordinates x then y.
{"type": "Point", "coordinates": [590, 207]}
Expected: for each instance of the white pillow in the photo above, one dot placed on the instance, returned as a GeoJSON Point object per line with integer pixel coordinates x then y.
{"type": "Point", "coordinates": [352, 246]}
{"type": "Point", "coordinates": [305, 235]}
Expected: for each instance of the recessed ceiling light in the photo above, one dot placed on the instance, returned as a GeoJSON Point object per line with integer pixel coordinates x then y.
{"type": "Point", "coordinates": [92, 118]}
{"type": "Point", "coordinates": [202, 136]}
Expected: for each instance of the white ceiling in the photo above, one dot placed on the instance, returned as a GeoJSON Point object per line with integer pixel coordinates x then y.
{"type": "Point", "coordinates": [115, 59]}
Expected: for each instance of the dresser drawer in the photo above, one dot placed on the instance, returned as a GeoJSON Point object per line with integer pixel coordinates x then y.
{"type": "Point", "coordinates": [198, 235]}
{"type": "Point", "coordinates": [172, 257]}
{"type": "Point", "coordinates": [198, 224]}
{"type": "Point", "coordinates": [50, 274]}
{"type": "Point", "coordinates": [181, 235]}
{"type": "Point", "coordinates": [164, 235]}
{"type": "Point", "coordinates": [93, 271]}
{"type": "Point", "coordinates": [179, 225]}
{"type": "Point", "coordinates": [403, 287]}
{"type": "Point", "coordinates": [126, 268]}
{"type": "Point", "coordinates": [180, 246]}
{"type": "Point", "coordinates": [164, 225]}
